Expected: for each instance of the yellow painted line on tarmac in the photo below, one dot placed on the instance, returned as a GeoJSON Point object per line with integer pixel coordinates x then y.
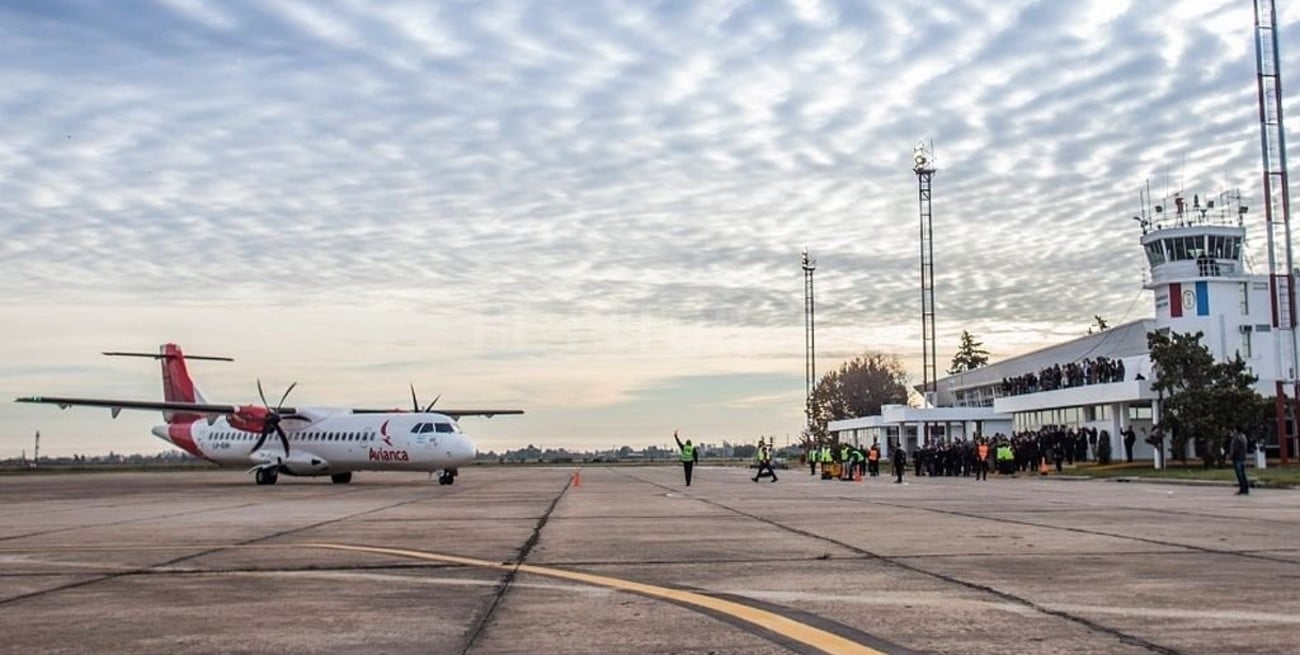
{"type": "Point", "coordinates": [822, 640]}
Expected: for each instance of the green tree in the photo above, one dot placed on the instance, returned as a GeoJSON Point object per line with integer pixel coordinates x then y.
{"type": "Point", "coordinates": [1204, 401]}
{"type": "Point", "coordinates": [859, 387]}
{"type": "Point", "coordinates": [970, 355]}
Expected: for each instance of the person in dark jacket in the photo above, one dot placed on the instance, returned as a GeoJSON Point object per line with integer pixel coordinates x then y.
{"type": "Point", "coordinates": [1237, 450]}
{"type": "Point", "coordinates": [1130, 438]}
{"type": "Point", "coordinates": [899, 457]}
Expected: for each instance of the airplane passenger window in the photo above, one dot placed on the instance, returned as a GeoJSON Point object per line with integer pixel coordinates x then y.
{"type": "Point", "coordinates": [444, 427]}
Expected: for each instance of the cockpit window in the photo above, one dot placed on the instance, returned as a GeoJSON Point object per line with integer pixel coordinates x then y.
{"type": "Point", "coordinates": [428, 427]}
{"type": "Point", "coordinates": [444, 427]}
{"type": "Point", "coordinates": [415, 429]}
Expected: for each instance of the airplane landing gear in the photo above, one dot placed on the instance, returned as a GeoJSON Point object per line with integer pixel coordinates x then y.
{"type": "Point", "coordinates": [447, 477]}
{"type": "Point", "coordinates": [266, 476]}
{"type": "Point", "coordinates": [341, 478]}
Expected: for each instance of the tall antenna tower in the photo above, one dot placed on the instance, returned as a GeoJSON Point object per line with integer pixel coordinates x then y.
{"type": "Point", "coordinates": [809, 338]}
{"type": "Point", "coordinates": [1277, 211]}
{"type": "Point", "coordinates": [923, 166]}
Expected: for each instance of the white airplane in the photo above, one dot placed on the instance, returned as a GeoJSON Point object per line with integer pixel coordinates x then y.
{"type": "Point", "coordinates": [313, 441]}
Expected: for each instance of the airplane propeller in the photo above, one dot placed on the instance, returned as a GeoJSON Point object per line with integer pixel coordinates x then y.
{"type": "Point", "coordinates": [415, 403]}
{"type": "Point", "coordinates": [272, 421]}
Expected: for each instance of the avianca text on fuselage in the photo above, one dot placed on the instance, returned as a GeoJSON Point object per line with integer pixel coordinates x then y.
{"type": "Point", "coordinates": [308, 441]}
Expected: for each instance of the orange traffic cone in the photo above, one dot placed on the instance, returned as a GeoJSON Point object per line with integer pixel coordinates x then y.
{"type": "Point", "coordinates": [1042, 466]}
{"type": "Point", "coordinates": [576, 478]}
{"type": "Point", "coordinates": [857, 474]}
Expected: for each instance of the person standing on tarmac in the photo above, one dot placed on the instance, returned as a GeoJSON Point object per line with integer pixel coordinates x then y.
{"type": "Point", "coordinates": [764, 462]}
{"type": "Point", "coordinates": [689, 456]}
{"type": "Point", "coordinates": [899, 457]}
{"type": "Point", "coordinates": [1237, 451]}
{"type": "Point", "coordinates": [982, 460]}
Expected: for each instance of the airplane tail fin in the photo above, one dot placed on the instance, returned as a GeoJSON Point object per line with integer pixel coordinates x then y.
{"type": "Point", "coordinates": [178, 386]}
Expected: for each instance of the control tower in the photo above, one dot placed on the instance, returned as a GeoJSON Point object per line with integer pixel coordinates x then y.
{"type": "Point", "coordinates": [1195, 248]}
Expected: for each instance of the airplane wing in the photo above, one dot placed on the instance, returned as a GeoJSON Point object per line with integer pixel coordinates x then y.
{"type": "Point", "coordinates": [155, 405]}
{"type": "Point", "coordinates": [453, 413]}
{"type": "Point", "coordinates": [210, 408]}
{"type": "Point", "coordinates": [488, 413]}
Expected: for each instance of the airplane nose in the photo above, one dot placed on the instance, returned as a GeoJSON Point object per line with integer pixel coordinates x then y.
{"type": "Point", "coordinates": [464, 450]}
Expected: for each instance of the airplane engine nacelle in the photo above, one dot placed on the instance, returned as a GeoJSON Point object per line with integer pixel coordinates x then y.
{"type": "Point", "coordinates": [249, 418]}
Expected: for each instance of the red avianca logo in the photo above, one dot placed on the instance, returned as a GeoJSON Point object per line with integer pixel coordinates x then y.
{"type": "Point", "coordinates": [382, 455]}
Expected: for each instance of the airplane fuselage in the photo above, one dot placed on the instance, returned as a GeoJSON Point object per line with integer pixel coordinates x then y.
{"type": "Point", "coordinates": [331, 442]}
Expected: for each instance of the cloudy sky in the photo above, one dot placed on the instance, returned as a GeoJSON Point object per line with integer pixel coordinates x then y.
{"type": "Point", "coordinates": [593, 210]}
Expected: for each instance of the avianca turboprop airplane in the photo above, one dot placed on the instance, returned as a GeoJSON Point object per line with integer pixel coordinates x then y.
{"type": "Point", "coordinates": [313, 441]}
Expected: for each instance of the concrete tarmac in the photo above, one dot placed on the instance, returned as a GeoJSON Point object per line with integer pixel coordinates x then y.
{"type": "Point", "coordinates": [518, 560]}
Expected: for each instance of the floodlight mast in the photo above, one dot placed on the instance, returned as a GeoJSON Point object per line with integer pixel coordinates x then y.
{"type": "Point", "coordinates": [810, 341]}
{"type": "Point", "coordinates": [923, 166]}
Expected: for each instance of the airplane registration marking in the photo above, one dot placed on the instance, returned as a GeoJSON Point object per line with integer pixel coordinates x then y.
{"type": "Point", "coordinates": [820, 639]}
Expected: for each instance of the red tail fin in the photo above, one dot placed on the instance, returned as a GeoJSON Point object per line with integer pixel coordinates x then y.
{"type": "Point", "coordinates": [177, 384]}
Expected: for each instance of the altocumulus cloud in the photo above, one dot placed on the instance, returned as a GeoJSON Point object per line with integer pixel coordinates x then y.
{"type": "Point", "coordinates": [559, 164]}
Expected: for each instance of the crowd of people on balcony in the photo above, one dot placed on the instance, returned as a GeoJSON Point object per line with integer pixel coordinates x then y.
{"type": "Point", "coordinates": [1097, 370]}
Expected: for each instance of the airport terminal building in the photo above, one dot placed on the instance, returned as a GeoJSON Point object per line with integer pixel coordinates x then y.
{"type": "Point", "coordinates": [1103, 380]}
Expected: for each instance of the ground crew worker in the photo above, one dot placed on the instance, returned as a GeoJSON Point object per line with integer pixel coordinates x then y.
{"type": "Point", "coordinates": [873, 459]}
{"type": "Point", "coordinates": [813, 455]}
{"type": "Point", "coordinates": [764, 462]}
{"type": "Point", "coordinates": [846, 461]}
{"type": "Point", "coordinates": [689, 456]}
{"type": "Point", "coordinates": [1006, 459]}
{"type": "Point", "coordinates": [859, 463]}
{"type": "Point", "coordinates": [982, 460]}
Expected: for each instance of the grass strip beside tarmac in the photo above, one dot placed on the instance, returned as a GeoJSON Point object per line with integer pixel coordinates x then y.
{"type": "Point", "coordinates": [1274, 476]}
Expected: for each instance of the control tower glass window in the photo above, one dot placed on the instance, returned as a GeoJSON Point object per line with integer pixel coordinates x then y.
{"type": "Point", "coordinates": [1156, 253]}
{"type": "Point", "coordinates": [1178, 250]}
{"type": "Point", "coordinates": [1218, 247]}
